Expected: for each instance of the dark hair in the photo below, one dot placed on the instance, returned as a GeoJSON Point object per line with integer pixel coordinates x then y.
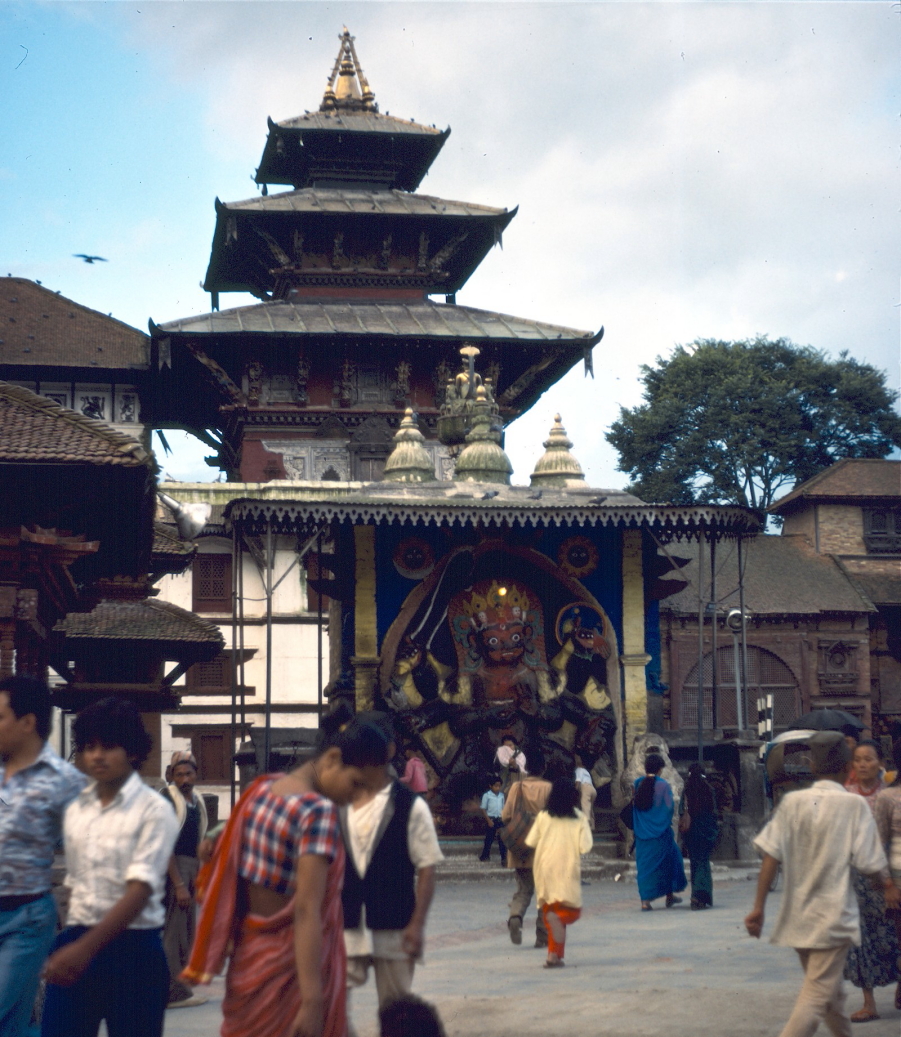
{"type": "Point", "coordinates": [362, 739]}
{"type": "Point", "coordinates": [874, 745]}
{"type": "Point", "coordinates": [830, 754]}
{"type": "Point", "coordinates": [26, 695]}
{"type": "Point", "coordinates": [563, 798]}
{"type": "Point", "coordinates": [113, 722]}
{"type": "Point", "coordinates": [410, 1016]}
{"type": "Point", "coordinates": [699, 797]}
{"type": "Point", "coordinates": [644, 794]}
{"type": "Point", "coordinates": [536, 763]}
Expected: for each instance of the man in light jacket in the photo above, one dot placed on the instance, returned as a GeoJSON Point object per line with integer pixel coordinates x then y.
{"type": "Point", "coordinates": [181, 911]}
{"type": "Point", "coordinates": [525, 797]}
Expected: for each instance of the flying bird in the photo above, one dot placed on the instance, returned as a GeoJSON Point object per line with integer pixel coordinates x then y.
{"type": "Point", "coordinates": [535, 496]}
{"type": "Point", "coordinates": [489, 494]}
{"type": "Point", "coordinates": [89, 259]}
{"type": "Point", "coordinates": [596, 500]}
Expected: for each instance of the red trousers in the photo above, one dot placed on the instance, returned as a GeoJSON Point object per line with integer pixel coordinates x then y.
{"type": "Point", "coordinates": [567, 916]}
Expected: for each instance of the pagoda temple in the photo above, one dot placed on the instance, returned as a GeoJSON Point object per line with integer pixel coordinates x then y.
{"type": "Point", "coordinates": [357, 277]}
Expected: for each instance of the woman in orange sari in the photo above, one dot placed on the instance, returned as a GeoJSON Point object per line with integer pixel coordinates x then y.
{"type": "Point", "coordinates": [272, 896]}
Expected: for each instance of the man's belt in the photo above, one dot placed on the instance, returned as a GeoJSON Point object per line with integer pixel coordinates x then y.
{"type": "Point", "coordinates": [14, 903]}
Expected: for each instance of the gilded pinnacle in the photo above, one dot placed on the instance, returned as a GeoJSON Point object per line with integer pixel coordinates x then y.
{"type": "Point", "coordinates": [409, 461]}
{"type": "Point", "coordinates": [557, 467]}
{"type": "Point", "coordinates": [347, 88]}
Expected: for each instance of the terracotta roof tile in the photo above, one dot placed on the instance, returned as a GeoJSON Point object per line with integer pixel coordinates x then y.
{"type": "Point", "coordinates": [166, 540]}
{"type": "Point", "coordinates": [40, 328]}
{"type": "Point", "coordinates": [34, 429]}
{"type": "Point", "coordinates": [147, 620]}
{"type": "Point", "coordinates": [879, 588]}
{"type": "Point", "coordinates": [784, 576]}
{"type": "Point", "coordinates": [852, 477]}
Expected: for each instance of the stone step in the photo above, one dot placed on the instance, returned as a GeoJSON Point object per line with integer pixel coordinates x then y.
{"type": "Point", "coordinates": [471, 846]}
{"type": "Point", "coordinates": [595, 868]}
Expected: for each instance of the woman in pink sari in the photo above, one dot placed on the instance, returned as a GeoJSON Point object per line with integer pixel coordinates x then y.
{"type": "Point", "coordinates": [272, 896]}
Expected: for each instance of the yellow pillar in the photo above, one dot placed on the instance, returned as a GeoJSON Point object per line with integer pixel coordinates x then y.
{"type": "Point", "coordinates": [365, 659]}
{"type": "Point", "coordinates": [634, 658]}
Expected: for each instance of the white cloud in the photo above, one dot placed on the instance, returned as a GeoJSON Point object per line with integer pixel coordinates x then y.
{"type": "Point", "coordinates": [683, 170]}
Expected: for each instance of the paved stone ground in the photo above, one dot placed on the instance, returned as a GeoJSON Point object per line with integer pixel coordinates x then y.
{"type": "Point", "coordinates": [675, 973]}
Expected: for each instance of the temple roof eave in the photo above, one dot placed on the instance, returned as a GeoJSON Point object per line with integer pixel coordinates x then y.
{"type": "Point", "coordinates": [339, 201]}
{"type": "Point", "coordinates": [372, 319]}
{"type": "Point", "coordinates": [307, 133]}
{"type": "Point", "coordinates": [444, 509]}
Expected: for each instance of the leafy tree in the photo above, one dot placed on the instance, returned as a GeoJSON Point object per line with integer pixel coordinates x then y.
{"type": "Point", "coordinates": [740, 422]}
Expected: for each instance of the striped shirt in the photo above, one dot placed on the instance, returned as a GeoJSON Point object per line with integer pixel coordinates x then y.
{"type": "Point", "coordinates": [280, 829]}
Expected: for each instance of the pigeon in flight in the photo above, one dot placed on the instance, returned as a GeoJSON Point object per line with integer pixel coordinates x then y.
{"type": "Point", "coordinates": [489, 495]}
{"type": "Point", "coordinates": [89, 259]}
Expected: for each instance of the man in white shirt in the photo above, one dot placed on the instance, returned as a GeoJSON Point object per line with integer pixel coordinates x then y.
{"type": "Point", "coordinates": [817, 835]}
{"type": "Point", "coordinates": [389, 881]}
{"type": "Point", "coordinates": [108, 963]}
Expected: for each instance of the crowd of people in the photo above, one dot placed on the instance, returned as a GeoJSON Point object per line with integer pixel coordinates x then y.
{"type": "Point", "coordinates": [326, 873]}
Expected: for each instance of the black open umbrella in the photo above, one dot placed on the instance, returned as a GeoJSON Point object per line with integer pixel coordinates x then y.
{"type": "Point", "coordinates": [826, 720]}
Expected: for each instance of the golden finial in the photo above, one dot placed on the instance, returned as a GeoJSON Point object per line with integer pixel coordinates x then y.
{"type": "Point", "coordinates": [347, 86]}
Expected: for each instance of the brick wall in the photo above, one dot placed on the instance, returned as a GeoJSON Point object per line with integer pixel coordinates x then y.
{"type": "Point", "coordinates": [840, 529]}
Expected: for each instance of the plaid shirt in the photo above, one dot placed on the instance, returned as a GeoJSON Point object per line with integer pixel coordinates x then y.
{"type": "Point", "coordinates": [281, 829]}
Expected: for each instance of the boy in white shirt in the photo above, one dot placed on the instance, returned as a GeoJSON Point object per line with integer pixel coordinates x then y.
{"type": "Point", "coordinates": [108, 963]}
{"type": "Point", "coordinates": [389, 880]}
{"type": "Point", "coordinates": [817, 834]}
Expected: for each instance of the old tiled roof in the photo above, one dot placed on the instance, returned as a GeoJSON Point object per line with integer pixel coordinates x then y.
{"type": "Point", "coordinates": [147, 620]}
{"type": "Point", "coordinates": [784, 576]}
{"type": "Point", "coordinates": [35, 429]}
{"type": "Point", "coordinates": [346, 200]}
{"type": "Point", "coordinates": [880, 588]}
{"type": "Point", "coordinates": [427, 320]}
{"type": "Point", "coordinates": [166, 540]}
{"type": "Point", "coordinates": [852, 477]}
{"type": "Point", "coordinates": [40, 328]}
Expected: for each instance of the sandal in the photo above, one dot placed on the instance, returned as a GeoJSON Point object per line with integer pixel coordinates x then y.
{"type": "Point", "coordinates": [671, 899]}
{"type": "Point", "coordinates": [646, 905]}
{"type": "Point", "coordinates": [554, 964]}
{"type": "Point", "coordinates": [864, 1016]}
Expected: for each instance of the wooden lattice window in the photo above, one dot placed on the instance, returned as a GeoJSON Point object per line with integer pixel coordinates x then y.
{"type": "Point", "coordinates": [882, 530]}
{"type": "Point", "coordinates": [212, 583]}
{"type": "Point", "coordinates": [208, 677]}
{"type": "Point", "coordinates": [767, 674]}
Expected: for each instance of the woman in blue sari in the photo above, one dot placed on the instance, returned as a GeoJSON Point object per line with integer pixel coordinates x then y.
{"type": "Point", "coordinates": [657, 857]}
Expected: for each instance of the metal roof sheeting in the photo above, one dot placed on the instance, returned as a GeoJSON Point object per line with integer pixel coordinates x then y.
{"type": "Point", "coordinates": [348, 200]}
{"type": "Point", "coordinates": [357, 122]}
{"type": "Point", "coordinates": [421, 319]}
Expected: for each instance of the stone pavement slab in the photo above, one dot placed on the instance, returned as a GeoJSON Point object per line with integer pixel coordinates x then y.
{"type": "Point", "coordinates": [676, 973]}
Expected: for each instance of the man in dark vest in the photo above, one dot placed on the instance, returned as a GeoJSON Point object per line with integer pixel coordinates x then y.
{"type": "Point", "coordinates": [389, 880]}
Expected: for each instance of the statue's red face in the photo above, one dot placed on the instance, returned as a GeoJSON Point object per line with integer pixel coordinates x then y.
{"type": "Point", "coordinates": [503, 644]}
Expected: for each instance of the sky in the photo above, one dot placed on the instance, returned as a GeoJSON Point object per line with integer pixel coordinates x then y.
{"type": "Point", "coordinates": [682, 170]}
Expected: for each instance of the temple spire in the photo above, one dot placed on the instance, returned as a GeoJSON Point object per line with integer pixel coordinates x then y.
{"type": "Point", "coordinates": [348, 88]}
{"type": "Point", "coordinates": [557, 467]}
{"type": "Point", "coordinates": [409, 461]}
